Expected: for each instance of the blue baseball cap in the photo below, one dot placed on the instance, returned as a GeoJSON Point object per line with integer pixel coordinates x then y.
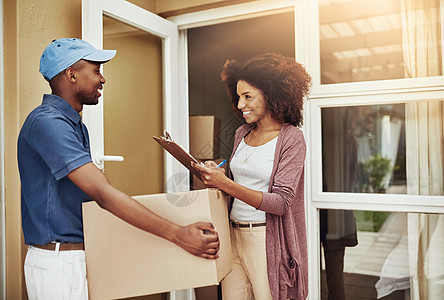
{"type": "Point", "coordinates": [63, 53]}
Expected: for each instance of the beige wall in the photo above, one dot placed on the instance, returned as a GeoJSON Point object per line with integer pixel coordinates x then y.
{"type": "Point", "coordinates": [13, 233]}
{"type": "Point", "coordinates": [29, 26]}
{"type": "Point", "coordinates": [168, 8]}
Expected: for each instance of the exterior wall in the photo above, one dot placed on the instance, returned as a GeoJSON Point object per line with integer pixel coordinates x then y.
{"type": "Point", "coordinates": [29, 26]}
{"type": "Point", "coordinates": [12, 194]}
{"type": "Point", "coordinates": [149, 5]}
{"type": "Point", "coordinates": [167, 8]}
{"type": "Point", "coordinates": [24, 22]}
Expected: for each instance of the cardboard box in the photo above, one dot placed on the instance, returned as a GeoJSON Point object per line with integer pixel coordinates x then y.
{"type": "Point", "coordinates": [123, 261]}
{"type": "Point", "coordinates": [204, 143]}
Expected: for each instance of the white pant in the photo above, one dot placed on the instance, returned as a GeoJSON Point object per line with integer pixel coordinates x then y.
{"type": "Point", "coordinates": [51, 275]}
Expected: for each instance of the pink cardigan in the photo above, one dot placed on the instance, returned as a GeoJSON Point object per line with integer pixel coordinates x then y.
{"type": "Point", "coordinates": [286, 240]}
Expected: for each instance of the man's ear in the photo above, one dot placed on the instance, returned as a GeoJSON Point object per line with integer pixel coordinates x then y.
{"type": "Point", "coordinates": [70, 74]}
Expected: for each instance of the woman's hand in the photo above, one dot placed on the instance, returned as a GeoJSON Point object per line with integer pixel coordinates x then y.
{"type": "Point", "coordinates": [211, 175]}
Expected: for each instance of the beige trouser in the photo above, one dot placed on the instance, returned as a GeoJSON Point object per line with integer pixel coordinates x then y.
{"type": "Point", "coordinates": [248, 280]}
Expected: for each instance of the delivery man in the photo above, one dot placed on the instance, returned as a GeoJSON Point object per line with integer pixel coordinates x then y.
{"type": "Point", "coordinates": [57, 175]}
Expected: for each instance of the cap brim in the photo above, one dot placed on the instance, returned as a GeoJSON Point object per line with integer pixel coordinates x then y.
{"type": "Point", "coordinates": [100, 55]}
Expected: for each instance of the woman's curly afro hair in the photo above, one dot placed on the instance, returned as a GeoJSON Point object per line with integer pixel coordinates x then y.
{"type": "Point", "coordinates": [283, 82]}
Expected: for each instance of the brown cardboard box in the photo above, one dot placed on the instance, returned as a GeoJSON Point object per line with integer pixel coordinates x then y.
{"type": "Point", "coordinates": [123, 261]}
{"type": "Point", "coordinates": [204, 143]}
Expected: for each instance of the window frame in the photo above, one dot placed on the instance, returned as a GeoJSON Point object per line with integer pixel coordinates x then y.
{"type": "Point", "coordinates": [374, 92]}
{"type": "Point", "coordinates": [321, 90]}
{"type": "Point", "coordinates": [373, 201]}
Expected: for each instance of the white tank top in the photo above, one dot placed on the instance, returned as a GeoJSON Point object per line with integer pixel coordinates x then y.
{"type": "Point", "coordinates": [251, 167]}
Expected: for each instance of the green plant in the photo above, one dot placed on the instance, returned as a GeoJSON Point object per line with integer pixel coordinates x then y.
{"type": "Point", "coordinates": [377, 167]}
{"type": "Point", "coordinates": [370, 221]}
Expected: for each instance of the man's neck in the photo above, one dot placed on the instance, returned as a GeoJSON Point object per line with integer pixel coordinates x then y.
{"type": "Point", "coordinates": [68, 98]}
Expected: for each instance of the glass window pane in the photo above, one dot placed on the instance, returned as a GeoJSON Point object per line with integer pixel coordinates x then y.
{"type": "Point", "coordinates": [364, 149]}
{"type": "Point", "coordinates": [393, 149]}
{"type": "Point", "coordinates": [382, 39]}
{"type": "Point", "coordinates": [381, 255]}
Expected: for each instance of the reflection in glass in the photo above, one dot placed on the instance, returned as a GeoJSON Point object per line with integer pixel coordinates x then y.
{"type": "Point", "coordinates": [338, 231]}
{"type": "Point", "coordinates": [364, 149]}
{"type": "Point", "coordinates": [380, 39]}
{"type": "Point", "coordinates": [397, 256]}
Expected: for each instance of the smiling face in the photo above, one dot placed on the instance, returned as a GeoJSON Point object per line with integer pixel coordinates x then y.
{"type": "Point", "coordinates": [251, 103]}
{"type": "Point", "coordinates": [89, 82]}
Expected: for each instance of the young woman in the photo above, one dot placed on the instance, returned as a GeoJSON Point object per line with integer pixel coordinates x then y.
{"type": "Point", "coordinates": [266, 179]}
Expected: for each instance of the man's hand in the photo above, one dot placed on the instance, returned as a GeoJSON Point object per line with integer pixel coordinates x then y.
{"type": "Point", "coordinates": [200, 239]}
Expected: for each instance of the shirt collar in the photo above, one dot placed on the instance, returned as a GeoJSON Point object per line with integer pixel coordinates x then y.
{"type": "Point", "coordinates": [63, 106]}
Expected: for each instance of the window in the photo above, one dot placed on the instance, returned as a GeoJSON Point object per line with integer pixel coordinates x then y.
{"type": "Point", "coordinates": [376, 146]}
{"type": "Point", "coordinates": [363, 149]}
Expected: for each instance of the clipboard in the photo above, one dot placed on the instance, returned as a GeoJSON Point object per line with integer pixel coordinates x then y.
{"type": "Point", "coordinates": [178, 152]}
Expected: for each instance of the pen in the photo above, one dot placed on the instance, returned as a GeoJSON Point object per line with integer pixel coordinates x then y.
{"type": "Point", "coordinates": [222, 163]}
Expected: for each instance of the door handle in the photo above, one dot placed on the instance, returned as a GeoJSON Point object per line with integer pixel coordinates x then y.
{"type": "Point", "coordinates": [100, 158]}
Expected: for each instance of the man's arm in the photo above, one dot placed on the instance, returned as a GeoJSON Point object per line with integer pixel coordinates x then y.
{"type": "Point", "coordinates": [191, 238]}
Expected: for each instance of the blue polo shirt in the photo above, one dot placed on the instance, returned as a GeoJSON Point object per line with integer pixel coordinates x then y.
{"type": "Point", "coordinates": [52, 142]}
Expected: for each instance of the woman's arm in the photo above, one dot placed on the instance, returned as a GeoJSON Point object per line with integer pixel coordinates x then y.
{"type": "Point", "coordinates": [288, 177]}
{"type": "Point", "coordinates": [288, 174]}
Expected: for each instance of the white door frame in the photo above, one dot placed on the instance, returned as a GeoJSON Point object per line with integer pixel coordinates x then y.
{"type": "Point", "coordinates": [174, 107]}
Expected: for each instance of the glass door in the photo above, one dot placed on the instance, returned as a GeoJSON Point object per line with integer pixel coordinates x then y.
{"type": "Point", "coordinates": [135, 94]}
